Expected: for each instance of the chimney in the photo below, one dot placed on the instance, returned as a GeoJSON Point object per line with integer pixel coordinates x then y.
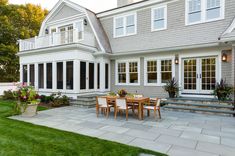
{"type": "Point", "coordinates": [121, 3]}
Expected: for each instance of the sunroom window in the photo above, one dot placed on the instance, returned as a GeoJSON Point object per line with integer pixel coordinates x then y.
{"type": "Point", "coordinates": [213, 9]}
{"type": "Point", "coordinates": [159, 18]}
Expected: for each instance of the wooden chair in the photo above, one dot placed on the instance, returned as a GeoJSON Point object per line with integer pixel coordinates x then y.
{"type": "Point", "coordinates": [121, 105]}
{"type": "Point", "coordinates": [101, 103]}
{"type": "Point", "coordinates": [135, 106]}
{"type": "Point", "coordinates": [155, 106]}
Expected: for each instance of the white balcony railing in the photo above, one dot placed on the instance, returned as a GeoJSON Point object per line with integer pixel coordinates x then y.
{"type": "Point", "coordinates": [66, 37]}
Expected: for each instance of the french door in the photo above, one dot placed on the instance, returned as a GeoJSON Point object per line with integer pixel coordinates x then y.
{"type": "Point", "coordinates": [66, 34]}
{"type": "Point", "coordinates": [199, 75]}
{"type": "Point", "coordinates": [87, 76]}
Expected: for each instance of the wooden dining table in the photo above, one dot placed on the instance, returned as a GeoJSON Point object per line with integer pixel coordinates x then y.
{"type": "Point", "coordinates": [132, 100]}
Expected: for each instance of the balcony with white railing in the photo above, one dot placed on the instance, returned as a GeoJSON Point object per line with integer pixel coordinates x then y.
{"type": "Point", "coordinates": [56, 39]}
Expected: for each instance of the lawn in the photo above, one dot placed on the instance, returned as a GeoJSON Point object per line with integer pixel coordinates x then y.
{"type": "Point", "coordinates": [23, 139]}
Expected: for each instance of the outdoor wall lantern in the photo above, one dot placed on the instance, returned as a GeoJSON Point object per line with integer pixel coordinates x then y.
{"type": "Point", "coordinates": [46, 31]}
{"type": "Point", "coordinates": [85, 22]}
{"type": "Point", "coordinates": [224, 57]}
{"type": "Point", "coordinates": [176, 59]}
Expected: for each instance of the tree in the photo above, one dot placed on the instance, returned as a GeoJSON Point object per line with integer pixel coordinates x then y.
{"type": "Point", "coordinates": [16, 22]}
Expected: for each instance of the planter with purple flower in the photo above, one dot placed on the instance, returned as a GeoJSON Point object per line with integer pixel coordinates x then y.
{"type": "Point", "coordinates": [28, 101]}
{"type": "Point", "coordinates": [122, 93]}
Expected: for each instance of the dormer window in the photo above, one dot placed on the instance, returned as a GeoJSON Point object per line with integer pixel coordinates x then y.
{"type": "Point", "coordinates": [159, 18]}
{"type": "Point", "coordinates": [125, 25]}
{"type": "Point", "coordinates": [200, 11]}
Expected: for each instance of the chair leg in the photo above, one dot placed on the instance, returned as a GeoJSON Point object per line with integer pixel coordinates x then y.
{"type": "Point", "coordinates": [97, 112]}
{"type": "Point", "coordinates": [159, 113]}
{"type": "Point", "coordinates": [155, 113]}
{"type": "Point", "coordinates": [107, 114]}
{"type": "Point", "coordinates": [126, 114]}
{"type": "Point", "coordinates": [148, 112]}
{"type": "Point", "coordinates": [115, 113]}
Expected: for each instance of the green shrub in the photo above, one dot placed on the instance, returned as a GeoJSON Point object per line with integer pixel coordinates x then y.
{"type": "Point", "coordinates": [9, 95]}
{"type": "Point", "coordinates": [59, 100]}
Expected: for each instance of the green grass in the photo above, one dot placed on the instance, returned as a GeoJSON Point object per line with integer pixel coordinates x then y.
{"type": "Point", "coordinates": [23, 139]}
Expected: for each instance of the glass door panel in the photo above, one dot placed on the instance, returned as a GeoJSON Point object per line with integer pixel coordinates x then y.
{"type": "Point", "coordinates": [190, 74]}
{"type": "Point", "coordinates": [208, 74]}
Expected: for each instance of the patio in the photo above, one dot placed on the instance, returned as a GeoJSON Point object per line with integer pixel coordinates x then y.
{"type": "Point", "coordinates": [177, 133]}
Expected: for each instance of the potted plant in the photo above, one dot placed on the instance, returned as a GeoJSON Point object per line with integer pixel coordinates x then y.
{"type": "Point", "coordinates": [172, 88]}
{"type": "Point", "coordinates": [222, 90]}
{"type": "Point", "coordinates": [122, 93]}
{"type": "Point", "coordinates": [28, 101]}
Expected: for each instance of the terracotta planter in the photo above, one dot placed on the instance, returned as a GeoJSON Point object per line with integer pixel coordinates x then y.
{"type": "Point", "coordinates": [30, 110]}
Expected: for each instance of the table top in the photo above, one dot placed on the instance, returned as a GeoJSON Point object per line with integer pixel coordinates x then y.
{"type": "Point", "coordinates": [129, 98]}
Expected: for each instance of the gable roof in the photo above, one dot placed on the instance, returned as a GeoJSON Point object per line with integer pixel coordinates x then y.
{"type": "Point", "coordinates": [96, 26]}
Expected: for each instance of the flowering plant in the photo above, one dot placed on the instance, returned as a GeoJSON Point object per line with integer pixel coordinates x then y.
{"type": "Point", "coordinates": [27, 95]}
{"type": "Point", "coordinates": [122, 93]}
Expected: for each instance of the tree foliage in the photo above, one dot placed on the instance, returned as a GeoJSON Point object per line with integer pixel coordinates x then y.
{"type": "Point", "coordinates": [16, 22]}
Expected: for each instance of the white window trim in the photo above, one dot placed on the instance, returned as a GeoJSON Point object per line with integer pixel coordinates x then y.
{"type": "Point", "coordinates": [158, 59]}
{"type": "Point", "coordinates": [127, 72]}
{"type": "Point", "coordinates": [203, 13]}
{"type": "Point", "coordinates": [124, 24]}
{"type": "Point", "coordinates": [165, 18]}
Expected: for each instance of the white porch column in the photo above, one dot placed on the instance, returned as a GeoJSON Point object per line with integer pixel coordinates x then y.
{"type": "Point", "coordinates": [28, 75]}
{"type": "Point", "coordinates": [102, 75]}
{"type": "Point", "coordinates": [233, 64]}
{"type": "Point", "coordinates": [45, 76]}
{"type": "Point", "coordinates": [76, 76]}
{"type": "Point", "coordinates": [54, 77]}
{"type": "Point", "coordinates": [64, 75]}
{"type": "Point", "coordinates": [21, 73]}
{"type": "Point", "coordinates": [36, 76]}
{"type": "Point", "coordinates": [95, 76]}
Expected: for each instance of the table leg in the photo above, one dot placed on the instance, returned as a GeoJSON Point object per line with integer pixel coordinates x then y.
{"type": "Point", "coordinates": [142, 111]}
{"type": "Point", "coordinates": [139, 111]}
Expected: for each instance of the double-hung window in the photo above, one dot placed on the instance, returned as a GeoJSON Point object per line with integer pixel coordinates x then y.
{"type": "Point", "coordinates": [199, 11]}
{"type": "Point", "coordinates": [158, 71]}
{"type": "Point", "coordinates": [127, 72]}
{"type": "Point", "coordinates": [166, 70]}
{"type": "Point", "coordinates": [151, 72]}
{"type": "Point", "coordinates": [159, 18]}
{"type": "Point", "coordinates": [125, 25]}
{"type": "Point", "coordinates": [213, 9]}
{"type": "Point", "coordinates": [194, 11]}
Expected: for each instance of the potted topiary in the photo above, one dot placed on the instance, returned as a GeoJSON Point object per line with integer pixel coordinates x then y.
{"type": "Point", "coordinates": [122, 93]}
{"type": "Point", "coordinates": [28, 101]}
{"type": "Point", "coordinates": [172, 88]}
{"type": "Point", "coordinates": [222, 90]}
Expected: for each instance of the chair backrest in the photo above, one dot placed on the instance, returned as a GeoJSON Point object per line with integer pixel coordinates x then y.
{"type": "Point", "coordinates": [158, 102]}
{"type": "Point", "coordinates": [121, 102]}
{"type": "Point", "coordinates": [138, 95]}
{"type": "Point", "coordinates": [102, 101]}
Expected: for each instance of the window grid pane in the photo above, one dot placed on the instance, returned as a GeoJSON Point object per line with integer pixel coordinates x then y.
{"type": "Point", "coordinates": [133, 72]}
{"type": "Point", "coordinates": [121, 72]}
{"type": "Point", "coordinates": [166, 70]}
{"type": "Point", "coordinates": [159, 20]}
{"type": "Point", "coordinates": [152, 71]}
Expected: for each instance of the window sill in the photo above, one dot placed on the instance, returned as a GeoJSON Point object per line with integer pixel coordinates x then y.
{"type": "Point", "coordinates": [124, 35]}
{"type": "Point", "coordinates": [154, 85]}
{"type": "Point", "coordinates": [127, 84]}
{"type": "Point", "coordinates": [156, 30]}
{"type": "Point", "coordinates": [202, 22]}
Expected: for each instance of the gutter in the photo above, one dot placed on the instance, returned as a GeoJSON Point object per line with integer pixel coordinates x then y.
{"type": "Point", "coordinates": [151, 51]}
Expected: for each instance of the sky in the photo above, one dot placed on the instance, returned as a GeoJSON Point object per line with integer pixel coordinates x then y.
{"type": "Point", "coordinates": [94, 5]}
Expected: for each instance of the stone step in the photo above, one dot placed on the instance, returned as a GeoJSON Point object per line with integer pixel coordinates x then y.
{"type": "Point", "coordinates": [229, 106]}
{"type": "Point", "coordinates": [199, 109]}
{"type": "Point", "coordinates": [196, 99]}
